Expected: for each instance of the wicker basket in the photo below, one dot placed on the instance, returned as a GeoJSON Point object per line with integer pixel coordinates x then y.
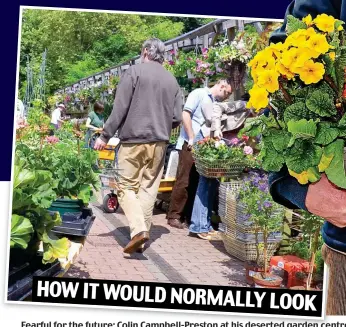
{"type": "Point", "coordinates": [218, 168]}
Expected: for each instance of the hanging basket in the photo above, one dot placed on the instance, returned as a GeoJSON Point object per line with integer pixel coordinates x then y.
{"type": "Point", "coordinates": [236, 71]}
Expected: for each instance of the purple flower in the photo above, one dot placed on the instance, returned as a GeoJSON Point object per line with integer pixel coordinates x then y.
{"type": "Point", "coordinates": [171, 62]}
{"type": "Point", "coordinates": [267, 204]}
{"type": "Point", "coordinates": [234, 141]}
{"type": "Point", "coordinates": [263, 187]}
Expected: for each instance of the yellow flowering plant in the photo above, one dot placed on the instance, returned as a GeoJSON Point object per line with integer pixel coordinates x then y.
{"type": "Point", "coordinates": [301, 81]}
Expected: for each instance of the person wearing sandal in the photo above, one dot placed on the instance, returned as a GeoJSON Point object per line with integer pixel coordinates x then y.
{"type": "Point", "coordinates": [225, 122]}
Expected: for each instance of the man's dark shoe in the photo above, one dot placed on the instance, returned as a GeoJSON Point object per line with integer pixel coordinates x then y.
{"type": "Point", "coordinates": [136, 242]}
{"type": "Point", "coordinates": [176, 223]}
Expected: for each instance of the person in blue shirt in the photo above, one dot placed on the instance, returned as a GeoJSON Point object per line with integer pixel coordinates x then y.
{"type": "Point", "coordinates": [322, 198]}
{"type": "Point", "coordinates": [194, 129]}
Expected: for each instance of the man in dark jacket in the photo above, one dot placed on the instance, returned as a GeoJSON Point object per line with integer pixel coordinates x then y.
{"type": "Point", "coordinates": [147, 105]}
{"type": "Point", "coordinates": [322, 198]}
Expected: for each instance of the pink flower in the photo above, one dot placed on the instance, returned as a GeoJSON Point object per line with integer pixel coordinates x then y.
{"type": "Point", "coordinates": [234, 141]}
{"type": "Point", "coordinates": [52, 139]}
{"type": "Point", "coordinates": [248, 150]}
{"type": "Point", "coordinates": [245, 138]}
{"type": "Point", "coordinates": [204, 50]}
{"type": "Point", "coordinates": [171, 62]}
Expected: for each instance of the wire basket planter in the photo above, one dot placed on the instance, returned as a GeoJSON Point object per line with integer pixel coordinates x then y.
{"type": "Point", "coordinates": [219, 168]}
{"type": "Point", "coordinates": [247, 251]}
{"type": "Point", "coordinates": [228, 192]}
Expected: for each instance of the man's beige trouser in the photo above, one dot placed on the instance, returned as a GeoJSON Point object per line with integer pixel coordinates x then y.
{"type": "Point", "coordinates": [141, 170]}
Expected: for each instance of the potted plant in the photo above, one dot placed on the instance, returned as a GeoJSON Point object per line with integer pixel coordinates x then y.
{"type": "Point", "coordinates": [306, 130]}
{"type": "Point", "coordinates": [215, 159]}
{"type": "Point", "coordinates": [31, 223]}
{"type": "Point", "coordinates": [266, 219]}
{"type": "Point", "coordinates": [309, 246]}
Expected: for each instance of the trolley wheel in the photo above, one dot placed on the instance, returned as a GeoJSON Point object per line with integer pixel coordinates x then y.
{"type": "Point", "coordinates": [110, 203]}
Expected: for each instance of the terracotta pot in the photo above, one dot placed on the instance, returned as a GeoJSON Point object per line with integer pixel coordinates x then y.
{"type": "Point", "coordinates": [271, 281]}
{"type": "Point", "coordinates": [251, 269]}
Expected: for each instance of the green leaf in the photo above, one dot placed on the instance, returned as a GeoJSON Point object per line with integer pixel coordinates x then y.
{"type": "Point", "coordinates": [296, 111]}
{"type": "Point", "coordinates": [325, 133]}
{"type": "Point", "coordinates": [54, 248]}
{"type": "Point", "coordinates": [342, 126]}
{"type": "Point", "coordinates": [302, 156]}
{"type": "Point", "coordinates": [329, 64]}
{"type": "Point", "coordinates": [253, 127]}
{"type": "Point", "coordinates": [294, 24]}
{"type": "Point", "coordinates": [321, 104]}
{"type": "Point", "coordinates": [21, 230]}
{"type": "Point", "coordinates": [279, 138]}
{"type": "Point", "coordinates": [336, 170]}
{"type": "Point", "coordinates": [271, 159]}
{"type": "Point", "coordinates": [303, 129]}
{"type": "Point", "coordinates": [85, 194]}
{"type": "Point", "coordinates": [342, 122]}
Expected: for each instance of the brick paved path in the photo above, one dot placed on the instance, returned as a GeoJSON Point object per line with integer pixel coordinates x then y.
{"type": "Point", "coordinates": [171, 256]}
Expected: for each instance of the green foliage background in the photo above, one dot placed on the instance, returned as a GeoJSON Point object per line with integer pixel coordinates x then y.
{"type": "Point", "coordinates": [82, 43]}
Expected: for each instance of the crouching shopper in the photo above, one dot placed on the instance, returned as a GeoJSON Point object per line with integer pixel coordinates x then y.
{"type": "Point", "coordinates": [226, 121]}
{"type": "Point", "coordinates": [148, 104]}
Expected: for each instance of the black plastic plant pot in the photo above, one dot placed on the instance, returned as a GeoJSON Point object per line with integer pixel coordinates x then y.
{"type": "Point", "coordinates": [75, 223]}
{"type": "Point", "coordinates": [18, 256]}
{"type": "Point", "coordinates": [20, 278]}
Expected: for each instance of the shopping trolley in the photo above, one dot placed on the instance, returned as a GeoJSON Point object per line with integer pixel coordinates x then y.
{"type": "Point", "coordinates": [109, 177]}
{"type": "Point", "coordinates": [109, 182]}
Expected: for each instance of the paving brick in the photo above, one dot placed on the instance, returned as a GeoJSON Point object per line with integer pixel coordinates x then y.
{"type": "Point", "coordinates": [172, 256]}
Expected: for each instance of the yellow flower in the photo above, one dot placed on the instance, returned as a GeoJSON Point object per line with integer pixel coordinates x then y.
{"type": "Point", "coordinates": [269, 79]}
{"type": "Point", "coordinates": [311, 72]}
{"type": "Point", "coordinates": [258, 97]}
{"type": "Point", "coordinates": [319, 44]}
{"type": "Point", "coordinates": [325, 23]}
{"type": "Point", "coordinates": [332, 55]}
{"type": "Point", "coordinates": [276, 49]}
{"type": "Point", "coordinates": [295, 58]}
{"type": "Point", "coordinates": [263, 60]}
{"type": "Point", "coordinates": [340, 28]}
{"type": "Point", "coordinates": [308, 20]}
{"type": "Point", "coordinates": [310, 32]}
{"type": "Point", "coordinates": [284, 71]}
{"type": "Point", "coordinates": [254, 76]}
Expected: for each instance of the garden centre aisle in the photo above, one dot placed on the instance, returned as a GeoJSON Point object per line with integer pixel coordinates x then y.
{"type": "Point", "coordinates": [172, 256]}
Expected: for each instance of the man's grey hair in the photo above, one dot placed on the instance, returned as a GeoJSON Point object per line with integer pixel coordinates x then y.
{"type": "Point", "coordinates": [156, 50]}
